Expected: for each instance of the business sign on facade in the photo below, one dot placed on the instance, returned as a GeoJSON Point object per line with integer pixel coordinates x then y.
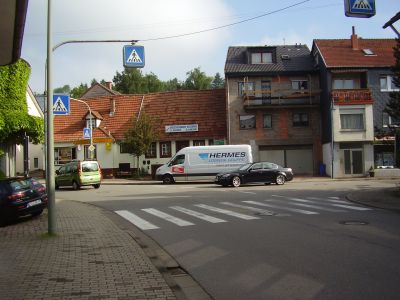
{"type": "Point", "coordinates": [61, 104]}
{"type": "Point", "coordinates": [133, 56]}
{"type": "Point", "coordinates": [359, 8]}
{"type": "Point", "coordinates": [182, 128]}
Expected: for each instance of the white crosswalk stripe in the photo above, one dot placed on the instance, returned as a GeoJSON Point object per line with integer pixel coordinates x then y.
{"type": "Point", "coordinates": [135, 220]}
{"type": "Point", "coordinates": [329, 200]}
{"type": "Point", "coordinates": [302, 211]}
{"type": "Point", "coordinates": [251, 208]}
{"type": "Point", "coordinates": [352, 207]}
{"type": "Point", "coordinates": [167, 217]}
{"type": "Point", "coordinates": [227, 212]}
{"type": "Point", "coordinates": [199, 215]}
{"type": "Point", "coordinates": [307, 205]}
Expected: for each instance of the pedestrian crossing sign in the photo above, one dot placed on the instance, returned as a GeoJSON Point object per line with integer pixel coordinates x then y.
{"type": "Point", "coordinates": [86, 133]}
{"type": "Point", "coordinates": [61, 104]}
{"type": "Point", "coordinates": [133, 56]}
{"type": "Point", "coordinates": [360, 8]}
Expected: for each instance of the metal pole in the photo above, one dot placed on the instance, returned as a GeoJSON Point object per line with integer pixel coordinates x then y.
{"type": "Point", "coordinates": [50, 131]}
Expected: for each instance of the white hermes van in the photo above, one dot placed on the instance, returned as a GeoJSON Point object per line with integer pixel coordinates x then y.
{"type": "Point", "coordinates": [203, 162]}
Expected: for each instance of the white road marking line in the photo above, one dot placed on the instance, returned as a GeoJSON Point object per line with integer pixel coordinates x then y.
{"type": "Point", "coordinates": [135, 220]}
{"type": "Point", "coordinates": [294, 199]}
{"type": "Point", "coordinates": [252, 193]}
{"type": "Point", "coordinates": [227, 212]}
{"type": "Point", "coordinates": [307, 212]}
{"type": "Point", "coordinates": [167, 217]}
{"type": "Point", "coordinates": [352, 207]}
{"type": "Point", "coordinates": [198, 214]}
{"type": "Point", "coordinates": [251, 208]}
{"type": "Point", "coordinates": [328, 200]}
{"type": "Point", "coordinates": [307, 205]}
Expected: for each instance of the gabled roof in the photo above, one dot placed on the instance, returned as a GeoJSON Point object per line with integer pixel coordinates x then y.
{"type": "Point", "coordinates": [206, 108]}
{"type": "Point", "coordinates": [98, 90]}
{"type": "Point", "coordinates": [298, 59]}
{"type": "Point", "coordinates": [340, 53]}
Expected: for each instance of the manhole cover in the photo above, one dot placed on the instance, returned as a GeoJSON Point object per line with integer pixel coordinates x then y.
{"type": "Point", "coordinates": [353, 222]}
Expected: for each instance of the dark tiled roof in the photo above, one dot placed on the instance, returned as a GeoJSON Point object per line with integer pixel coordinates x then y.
{"type": "Point", "coordinates": [339, 53]}
{"type": "Point", "coordinates": [98, 90]}
{"type": "Point", "coordinates": [299, 60]}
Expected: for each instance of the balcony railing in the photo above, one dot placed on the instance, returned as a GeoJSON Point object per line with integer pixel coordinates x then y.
{"type": "Point", "coordinates": [355, 96]}
{"type": "Point", "coordinates": [281, 97]}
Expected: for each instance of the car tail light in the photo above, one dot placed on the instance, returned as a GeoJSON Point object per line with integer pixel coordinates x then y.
{"type": "Point", "coordinates": [15, 196]}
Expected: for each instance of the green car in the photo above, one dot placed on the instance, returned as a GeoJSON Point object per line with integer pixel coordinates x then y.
{"type": "Point", "coordinates": [79, 173]}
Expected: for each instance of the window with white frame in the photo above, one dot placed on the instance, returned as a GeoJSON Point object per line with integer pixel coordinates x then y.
{"type": "Point", "coordinates": [63, 155]}
{"type": "Point", "coordinates": [352, 119]}
{"type": "Point", "coordinates": [261, 58]}
{"type": "Point", "coordinates": [300, 120]}
{"type": "Point", "coordinates": [93, 122]}
{"type": "Point", "coordinates": [165, 149]}
{"type": "Point", "coordinates": [343, 84]}
{"type": "Point", "coordinates": [152, 151]}
{"type": "Point", "coordinates": [246, 88]}
{"type": "Point", "coordinates": [299, 84]}
{"type": "Point", "coordinates": [247, 121]}
{"type": "Point", "coordinates": [267, 121]}
{"type": "Point", "coordinates": [386, 83]}
{"type": "Point", "coordinates": [199, 143]}
{"type": "Point", "coordinates": [388, 120]}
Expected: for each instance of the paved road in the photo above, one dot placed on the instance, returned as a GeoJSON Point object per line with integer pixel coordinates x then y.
{"type": "Point", "coordinates": [303, 241]}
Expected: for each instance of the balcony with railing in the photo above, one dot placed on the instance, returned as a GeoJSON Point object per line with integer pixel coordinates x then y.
{"type": "Point", "coordinates": [265, 98]}
{"type": "Point", "coordinates": [352, 97]}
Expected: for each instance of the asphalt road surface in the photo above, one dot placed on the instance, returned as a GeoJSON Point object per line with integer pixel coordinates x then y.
{"type": "Point", "coordinates": [297, 241]}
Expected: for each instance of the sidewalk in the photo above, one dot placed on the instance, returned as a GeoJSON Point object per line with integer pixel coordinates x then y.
{"type": "Point", "coordinates": [95, 255]}
{"type": "Point", "coordinates": [385, 198]}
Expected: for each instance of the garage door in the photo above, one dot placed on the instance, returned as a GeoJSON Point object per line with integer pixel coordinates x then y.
{"type": "Point", "coordinates": [275, 156]}
{"type": "Point", "coordinates": [300, 160]}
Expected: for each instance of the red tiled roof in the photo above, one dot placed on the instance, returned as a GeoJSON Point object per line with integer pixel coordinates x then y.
{"type": "Point", "coordinates": [206, 108]}
{"type": "Point", "coordinates": [339, 53]}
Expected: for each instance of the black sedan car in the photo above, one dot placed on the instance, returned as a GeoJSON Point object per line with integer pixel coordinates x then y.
{"type": "Point", "coordinates": [20, 196]}
{"type": "Point", "coordinates": [265, 172]}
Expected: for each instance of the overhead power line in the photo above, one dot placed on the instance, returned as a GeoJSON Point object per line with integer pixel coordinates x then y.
{"type": "Point", "coordinates": [226, 25]}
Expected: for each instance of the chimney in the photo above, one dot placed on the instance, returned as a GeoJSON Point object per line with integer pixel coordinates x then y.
{"type": "Point", "coordinates": [112, 107]}
{"type": "Point", "coordinates": [354, 39]}
{"type": "Point", "coordinates": [109, 85]}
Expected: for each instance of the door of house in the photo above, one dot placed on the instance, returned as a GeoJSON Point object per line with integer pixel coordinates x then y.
{"type": "Point", "coordinates": [353, 162]}
{"type": "Point", "coordinates": [266, 91]}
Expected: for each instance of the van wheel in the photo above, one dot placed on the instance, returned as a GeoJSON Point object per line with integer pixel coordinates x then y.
{"type": "Point", "coordinates": [75, 186]}
{"type": "Point", "coordinates": [236, 181]}
{"type": "Point", "coordinates": [280, 179]}
{"type": "Point", "coordinates": [168, 179]}
{"type": "Point", "coordinates": [96, 186]}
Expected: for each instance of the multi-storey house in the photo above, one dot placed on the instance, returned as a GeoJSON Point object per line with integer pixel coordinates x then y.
{"type": "Point", "coordinates": [355, 80]}
{"type": "Point", "coordinates": [273, 105]}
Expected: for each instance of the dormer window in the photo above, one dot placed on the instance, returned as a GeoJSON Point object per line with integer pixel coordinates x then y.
{"type": "Point", "coordinates": [94, 122]}
{"type": "Point", "coordinates": [261, 58]}
{"type": "Point", "coordinates": [368, 52]}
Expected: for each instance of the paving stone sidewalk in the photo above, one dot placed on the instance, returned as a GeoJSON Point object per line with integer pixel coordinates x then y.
{"type": "Point", "coordinates": [90, 258]}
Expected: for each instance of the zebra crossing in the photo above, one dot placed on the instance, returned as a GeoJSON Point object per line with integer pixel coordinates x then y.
{"type": "Point", "coordinates": [222, 212]}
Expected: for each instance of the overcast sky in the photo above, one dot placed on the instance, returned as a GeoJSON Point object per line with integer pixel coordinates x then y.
{"type": "Point", "coordinates": [169, 58]}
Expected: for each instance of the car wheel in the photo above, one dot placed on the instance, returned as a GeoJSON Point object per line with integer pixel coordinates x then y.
{"type": "Point", "coordinates": [236, 181]}
{"type": "Point", "coordinates": [75, 186]}
{"type": "Point", "coordinates": [96, 186]}
{"type": "Point", "coordinates": [280, 179]}
{"type": "Point", "coordinates": [168, 179]}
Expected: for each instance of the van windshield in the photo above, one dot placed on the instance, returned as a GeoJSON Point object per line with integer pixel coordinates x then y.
{"type": "Point", "coordinates": [177, 160]}
{"type": "Point", "coordinates": [90, 167]}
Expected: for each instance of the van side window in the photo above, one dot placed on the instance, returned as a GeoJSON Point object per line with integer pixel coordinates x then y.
{"type": "Point", "coordinates": [178, 160]}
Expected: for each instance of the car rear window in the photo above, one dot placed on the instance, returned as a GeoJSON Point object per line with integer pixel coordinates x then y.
{"type": "Point", "coordinates": [19, 185]}
{"type": "Point", "coordinates": [90, 167]}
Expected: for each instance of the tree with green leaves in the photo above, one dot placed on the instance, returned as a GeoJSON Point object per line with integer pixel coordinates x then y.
{"type": "Point", "coordinates": [218, 82]}
{"type": "Point", "coordinates": [129, 81]}
{"type": "Point", "coordinates": [78, 91]}
{"type": "Point", "coordinates": [393, 106]}
{"type": "Point", "coordinates": [66, 89]}
{"type": "Point", "coordinates": [15, 122]}
{"type": "Point", "coordinates": [138, 138]}
{"type": "Point", "coordinates": [197, 80]}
